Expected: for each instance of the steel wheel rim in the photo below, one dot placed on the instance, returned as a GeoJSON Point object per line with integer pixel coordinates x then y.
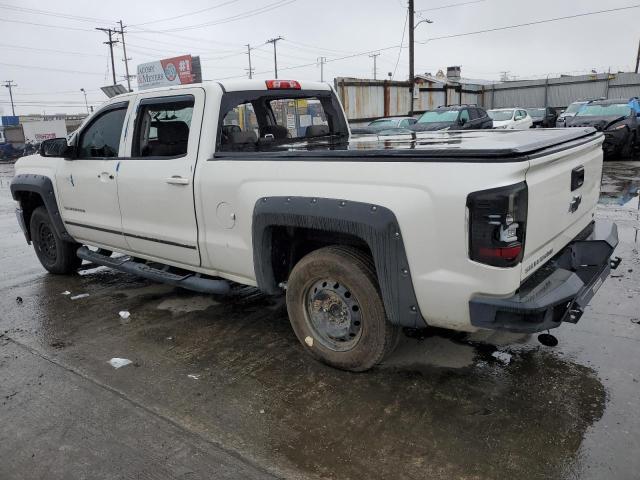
{"type": "Point", "coordinates": [334, 315]}
{"type": "Point", "coordinates": [47, 242]}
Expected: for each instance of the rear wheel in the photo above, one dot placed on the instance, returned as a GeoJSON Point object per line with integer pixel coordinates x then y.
{"type": "Point", "coordinates": [336, 309]}
{"type": "Point", "coordinates": [55, 255]}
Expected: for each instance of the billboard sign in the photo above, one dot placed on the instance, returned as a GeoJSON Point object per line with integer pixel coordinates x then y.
{"type": "Point", "coordinates": [170, 71]}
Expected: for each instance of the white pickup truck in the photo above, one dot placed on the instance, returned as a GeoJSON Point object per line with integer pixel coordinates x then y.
{"type": "Point", "coordinates": [259, 183]}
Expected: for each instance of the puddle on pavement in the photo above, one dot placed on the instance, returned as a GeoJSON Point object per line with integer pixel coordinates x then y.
{"type": "Point", "coordinates": [440, 407]}
{"type": "Point", "coordinates": [620, 183]}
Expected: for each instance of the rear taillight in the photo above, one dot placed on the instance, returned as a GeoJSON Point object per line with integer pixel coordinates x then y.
{"type": "Point", "coordinates": [497, 225]}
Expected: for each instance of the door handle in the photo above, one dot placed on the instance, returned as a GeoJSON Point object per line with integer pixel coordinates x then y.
{"type": "Point", "coordinates": [105, 175]}
{"type": "Point", "coordinates": [178, 180]}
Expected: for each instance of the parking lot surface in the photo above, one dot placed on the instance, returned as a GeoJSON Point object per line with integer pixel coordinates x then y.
{"type": "Point", "coordinates": [220, 388]}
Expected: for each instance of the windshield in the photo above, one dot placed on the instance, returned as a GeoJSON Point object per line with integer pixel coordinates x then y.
{"type": "Point", "coordinates": [383, 123]}
{"type": "Point", "coordinates": [611, 110]}
{"type": "Point", "coordinates": [436, 116]}
{"type": "Point", "coordinates": [573, 108]}
{"type": "Point", "coordinates": [500, 115]}
{"type": "Point", "coordinates": [536, 112]}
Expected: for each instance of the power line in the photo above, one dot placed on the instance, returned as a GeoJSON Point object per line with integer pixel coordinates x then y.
{"type": "Point", "coordinates": [538, 22]}
{"type": "Point", "coordinates": [233, 18]}
{"type": "Point", "coordinates": [38, 67]}
{"type": "Point", "coordinates": [49, 50]}
{"type": "Point", "coordinates": [53, 14]}
{"type": "Point", "coordinates": [175, 17]}
{"type": "Point", "coordinates": [77, 29]}
{"type": "Point", "coordinates": [404, 29]}
{"type": "Point", "coordinates": [449, 6]}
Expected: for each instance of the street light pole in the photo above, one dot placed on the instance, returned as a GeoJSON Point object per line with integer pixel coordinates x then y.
{"type": "Point", "coordinates": [412, 28]}
{"type": "Point", "coordinates": [85, 99]}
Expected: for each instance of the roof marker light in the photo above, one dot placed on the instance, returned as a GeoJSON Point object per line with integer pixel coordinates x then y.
{"type": "Point", "coordinates": [283, 84]}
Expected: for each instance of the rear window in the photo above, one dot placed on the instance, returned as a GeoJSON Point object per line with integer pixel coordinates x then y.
{"type": "Point", "coordinates": [264, 120]}
{"type": "Point", "coordinates": [611, 110]}
{"type": "Point", "coordinates": [500, 115]}
{"type": "Point", "coordinates": [435, 116]}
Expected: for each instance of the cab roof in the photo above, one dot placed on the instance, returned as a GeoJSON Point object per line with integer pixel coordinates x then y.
{"type": "Point", "coordinates": [229, 86]}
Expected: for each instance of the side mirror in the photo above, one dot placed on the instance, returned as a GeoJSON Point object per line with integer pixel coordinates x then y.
{"type": "Point", "coordinates": [55, 147]}
{"type": "Point", "coordinates": [462, 121]}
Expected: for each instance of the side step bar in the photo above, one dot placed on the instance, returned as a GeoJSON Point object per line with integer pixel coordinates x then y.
{"type": "Point", "coordinates": [190, 281]}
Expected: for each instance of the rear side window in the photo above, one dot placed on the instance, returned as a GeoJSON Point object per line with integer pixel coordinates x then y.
{"type": "Point", "coordinates": [101, 138]}
{"type": "Point", "coordinates": [299, 117]}
{"type": "Point", "coordinates": [474, 113]}
{"type": "Point", "coordinates": [162, 127]}
{"type": "Point", "coordinates": [264, 120]}
{"type": "Point", "coordinates": [481, 113]}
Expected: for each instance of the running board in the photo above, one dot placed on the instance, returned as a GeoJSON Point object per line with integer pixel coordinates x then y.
{"type": "Point", "coordinates": [190, 281]}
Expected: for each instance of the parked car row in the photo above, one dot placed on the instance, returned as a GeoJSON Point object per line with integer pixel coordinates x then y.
{"type": "Point", "coordinates": [617, 118]}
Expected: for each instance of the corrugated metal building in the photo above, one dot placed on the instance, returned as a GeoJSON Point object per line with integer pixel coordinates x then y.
{"type": "Point", "coordinates": [560, 92]}
{"type": "Point", "coordinates": [365, 100]}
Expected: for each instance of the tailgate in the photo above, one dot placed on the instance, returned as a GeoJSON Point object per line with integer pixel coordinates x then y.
{"type": "Point", "coordinates": [563, 192]}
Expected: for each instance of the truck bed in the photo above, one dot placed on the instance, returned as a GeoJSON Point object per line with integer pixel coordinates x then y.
{"type": "Point", "coordinates": [468, 146]}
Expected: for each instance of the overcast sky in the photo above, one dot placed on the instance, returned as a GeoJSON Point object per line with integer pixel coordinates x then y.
{"type": "Point", "coordinates": [51, 50]}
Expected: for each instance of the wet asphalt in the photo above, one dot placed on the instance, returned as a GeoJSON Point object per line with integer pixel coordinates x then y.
{"type": "Point", "coordinates": [220, 387]}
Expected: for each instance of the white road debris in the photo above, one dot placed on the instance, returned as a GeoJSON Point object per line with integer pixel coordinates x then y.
{"type": "Point", "coordinates": [504, 357]}
{"type": "Point", "coordinates": [119, 362]}
{"type": "Point", "coordinates": [78, 297]}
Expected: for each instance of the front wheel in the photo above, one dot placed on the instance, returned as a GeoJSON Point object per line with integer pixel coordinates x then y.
{"type": "Point", "coordinates": [336, 309]}
{"type": "Point", "coordinates": [55, 255]}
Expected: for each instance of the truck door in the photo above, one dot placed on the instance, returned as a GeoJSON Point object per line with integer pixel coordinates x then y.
{"type": "Point", "coordinates": [86, 185]}
{"type": "Point", "coordinates": [155, 184]}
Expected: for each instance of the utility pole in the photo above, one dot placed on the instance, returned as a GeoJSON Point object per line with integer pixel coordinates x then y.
{"type": "Point", "coordinates": [10, 84]}
{"type": "Point", "coordinates": [126, 59]}
{"type": "Point", "coordinates": [375, 66]}
{"type": "Point", "coordinates": [412, 78]}
{"type": "Point", "coordinates": [85, 99]}
{"type": "Point", "coordinates": [322, 61]}
{"type": "Point", "coordinates": [275, 55]}
{"type": "Point", "coordinates": [250, 68]}
{"type": "Point", "coordinates": [638, 57]}
{"type": "Point", "coordinates": [111, 42]}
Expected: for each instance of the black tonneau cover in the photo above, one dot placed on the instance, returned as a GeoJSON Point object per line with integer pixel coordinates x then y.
{"type": "Point", "coordinates": [467, 146]}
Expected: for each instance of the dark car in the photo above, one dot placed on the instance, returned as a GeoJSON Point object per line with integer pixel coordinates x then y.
{"type": "Point", "coordinates": [454, 117]}
{"type": "Point", "coordinates": [617, 118]}
{"type": "Point", "coordinates": [543, 117]}
{"type": "Point", "coordinates": [385, 124]}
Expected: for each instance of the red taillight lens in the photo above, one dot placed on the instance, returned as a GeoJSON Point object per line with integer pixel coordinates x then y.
{"type": "Point", "coordinates": [497, 225]}
{"type": "Point", "coordinates": [283, 84]}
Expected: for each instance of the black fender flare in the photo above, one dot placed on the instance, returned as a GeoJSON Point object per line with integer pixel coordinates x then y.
{"type": "Point", "coordinates": [374, 224]}
{"type": "Point", "coordinates": [43, 186]}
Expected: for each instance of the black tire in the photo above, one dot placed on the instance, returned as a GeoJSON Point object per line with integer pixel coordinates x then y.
{"type": "Point", "coordinates": [336, 310]}
{"type": "Point", "coordinates": [55, 255]}
{"type": "Point", "coordinates": [629, 148]}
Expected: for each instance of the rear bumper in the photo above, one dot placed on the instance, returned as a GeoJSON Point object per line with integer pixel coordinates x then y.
{"type": "Point", "coordinates": [559, 291]}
